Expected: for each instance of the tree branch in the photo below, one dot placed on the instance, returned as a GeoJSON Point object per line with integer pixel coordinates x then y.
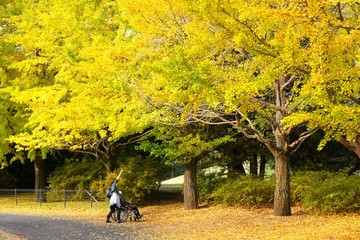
{"type": "Point", "coordinates": [271, 105]}
{"type": "Point", "coordinates": [260, 40]}
{"type": "Point", "coordinates": [301, 138]}
{"type": "Point", "coordinates": [340, 12]}
{"type": "Point", "coordinates": [354, 99]}
{"type": "Point", "coordinates": [291, 80]}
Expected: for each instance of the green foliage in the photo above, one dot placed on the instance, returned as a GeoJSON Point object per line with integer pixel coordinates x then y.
{"type": "Point", "coordinates": [75, 175]}
{"type": "Point", "coordinates": [322, 191]}
{"type": "Point", "coordinates": [7, 180]}
{"type": "Point", "coordinates": [327, 192]}
{"type": "Point", "coordinates": [207, 184]}
{"type": "Point", "coordinates": [212, 172]}
{"type": "Point", "coordinates": [245, 191]}
{"type": "Point", "coordinates": [141, 176]}
{"type": "Point", "coordinates": [178, 144]}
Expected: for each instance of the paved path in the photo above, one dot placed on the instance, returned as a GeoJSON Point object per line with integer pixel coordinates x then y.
{"type": "Point", "coordinates": [43, 227]}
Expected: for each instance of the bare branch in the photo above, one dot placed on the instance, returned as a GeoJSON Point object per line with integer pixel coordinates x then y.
{"type": "Point", "coordinates": [132, 140]}
{"type": "Point", "coordinates": [302, 137]}
{"type": "Point", "coordinates": [340, 11]}
{"type": "Point", "coordinates": [291, 80]}
{"type": "Point", "coordinates": [271, 105]}
{"type": "Point", "coordinates": [297, 104]}
{"type": "Point", "coordinates": [354, 99]}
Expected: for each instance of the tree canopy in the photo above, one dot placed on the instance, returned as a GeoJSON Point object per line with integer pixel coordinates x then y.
{"type": "Point", "coordinates": [252, 65]}
{"type": "Point", "coordinates": [71, 79]}
{"type": "Point", "coordinates": [86, 75]}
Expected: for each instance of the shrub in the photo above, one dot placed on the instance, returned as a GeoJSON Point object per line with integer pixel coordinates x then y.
{"type": "Point", "coordinates": [245, 191]}
{"type": "Point", "coordinates": [207, 183]}
{"type": "Point", "coordinates": [7, 180]}
{"type": "Point", "coordinates": [327, 192]}
{"type": "Point", "coordinates": [324, 191]}
{"type": "Point", "coordinates": [301, 182]}
{"type": "Point", "coordinates": [75, 175]}
{"type": "Point", "coordinates": [140, 177]}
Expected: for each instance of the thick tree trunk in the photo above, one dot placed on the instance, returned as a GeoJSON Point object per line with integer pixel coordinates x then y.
{"type": "Point", "coordinates": [280, 152]}
{"type": "Point", "coordinates": [110, 162]}
{"type": "Point", "coordinates": [352, 146]}
{"type": "Point", "coordinates": [190, 185]}
{"type": "Point", "coordinates": [282, 191]}
{"type": "Point", "coordinates": [39, 166]}
{"type": "Point", "coordinates": [253, 165]}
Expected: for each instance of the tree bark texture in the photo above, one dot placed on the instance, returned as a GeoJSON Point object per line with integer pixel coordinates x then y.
{"type": "Point", "coordinates": [39, 167]}
{"type": "Point", "coordinates": [352, 146]}
{"type": "Point", "coordinates": [190, 185]}
{"type": "Point", "coordinates": [282, 190]}
{"type": "Point", "coordinates": [280, 152]}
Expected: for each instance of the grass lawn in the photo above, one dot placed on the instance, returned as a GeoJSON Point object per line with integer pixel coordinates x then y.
{"type": "Point", "coordinates": [171, 221]}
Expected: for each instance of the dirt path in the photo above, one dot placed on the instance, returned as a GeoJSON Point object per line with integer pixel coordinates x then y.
{"type": "Point", "coordinates": [43, 227]}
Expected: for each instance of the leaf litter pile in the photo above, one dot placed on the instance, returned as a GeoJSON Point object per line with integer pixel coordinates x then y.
{"type": "Point", "coordinates": [171, 221]}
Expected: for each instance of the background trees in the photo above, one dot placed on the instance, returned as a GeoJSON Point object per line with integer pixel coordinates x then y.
{"type": "Point", "coordinates": [187, 145]}
{"type": "Point", "coordinates": [80, 100]}
{"type": "Point", "coordinates": [92, 77]}
{"type": "Point", "coordinates": [244, 64]}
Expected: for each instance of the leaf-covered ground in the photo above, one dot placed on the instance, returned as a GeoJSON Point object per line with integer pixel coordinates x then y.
{"type": "Point", "coordinates": [238, 223]}
{"type": "Point", "coordinates": [171, 221]}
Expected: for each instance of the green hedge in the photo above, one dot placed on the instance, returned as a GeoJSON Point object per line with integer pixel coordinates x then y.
{"type": "Point", "coordinates": [245, 191]}
{"type": "Point", "coordinates": [327, 192]}
{"type": "Point", "coordinates": [322, 191]}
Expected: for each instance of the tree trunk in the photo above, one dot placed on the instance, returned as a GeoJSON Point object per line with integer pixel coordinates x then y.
{"type": "Point", "coordinates": [190, 185]}
{"type": "Point", "coordinates": [39, 166]}
{"type": "Point", "coordinates": [110, 162]}
{"type": "Point", "coordinates": [282, 191]}
{"type": "Point", "coordinates": [262, 165]}
{"type": "Point", "coordinates": [352, 146]}
{"type": "Point", "coordinates": [280, 152]}
{"type": "Point", "coordinates": [253, 165]}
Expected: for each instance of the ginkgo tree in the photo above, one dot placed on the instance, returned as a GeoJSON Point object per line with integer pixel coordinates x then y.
{"type": "Point", "coordinates": [187, 145]}
{"type": "Point", "coordinates": [96, 72]}
{"type": "Point", "coordinates": [9, 120]}
{"type": "Point", "coordinates": [13, 115]}
{"type": "Point", "coordinates": [71, 82]}
{"type": "Point", "coordinates": [334, 92]}
{"type": "Point", "coordinates": [243, 63]}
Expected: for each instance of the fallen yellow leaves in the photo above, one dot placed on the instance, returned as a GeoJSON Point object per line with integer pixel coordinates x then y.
{"type": "Point", "coordinates": [8, 236]}
{"type": "Point", "coordinates": [221, 222]}
{"type": "Point", "coordinates": [171, 221]}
